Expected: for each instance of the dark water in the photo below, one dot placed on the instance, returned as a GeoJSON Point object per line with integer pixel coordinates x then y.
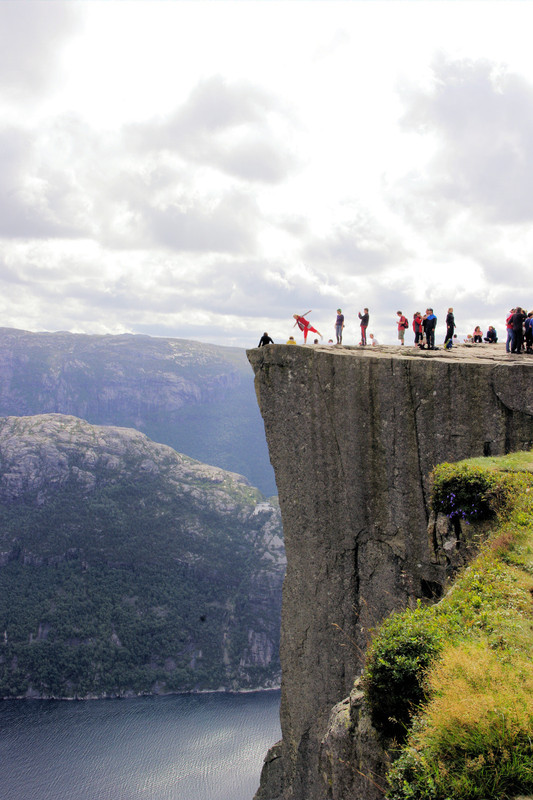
{"type": "Point", "coordinates": [184, 747]}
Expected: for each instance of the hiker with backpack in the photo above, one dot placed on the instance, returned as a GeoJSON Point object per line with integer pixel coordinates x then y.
{"type": "Point", "coordinates": [402, 325]}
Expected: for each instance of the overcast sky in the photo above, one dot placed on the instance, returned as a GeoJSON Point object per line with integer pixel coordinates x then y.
{"type": "Point", "coordinates": [207, 169]}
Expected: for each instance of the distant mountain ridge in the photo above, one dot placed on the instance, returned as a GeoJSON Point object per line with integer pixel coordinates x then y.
{"type": "Point", "coordinates": [126, 567]}
{"type": "Point", "coordinates": [197, 398]}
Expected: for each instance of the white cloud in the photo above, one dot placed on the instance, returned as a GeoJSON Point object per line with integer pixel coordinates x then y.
{"type": "Point", "coordinates": [482, 119]}
{"type": "Point", "coordinates": [209, 169]}
{"type": "Point", "coordinates": [31, 36]}
{"type": "Point", "coordinates": [224, 126]}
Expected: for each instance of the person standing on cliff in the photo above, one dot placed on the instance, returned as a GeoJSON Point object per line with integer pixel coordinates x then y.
{"type": "Point", "coordinates": [418, 329]}
{"type": "Point", "coordinates": [364, 325]}
{"type": "Point", "coordinates": [339, 325]}
{"type": "Point", "coordinates": [264, 340]}
{"type": "Point", "coordinates": [402, 325]}
{"type": "Point", "coordinates": [517, 321]}
{"type": "Point", "coordinates": [430, 323]}
{"type": "Point", "coordinates": [450, 326]}
{"type": "Point", "coordinates": [509, 329]}
{"type": "Point", "coordinates": [528, 332]}
{"type": "Point", "coordinates": [304, 325]}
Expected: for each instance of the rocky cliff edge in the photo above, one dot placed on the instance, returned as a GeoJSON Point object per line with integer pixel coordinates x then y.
{"type": "Point", "coordinates": [353, 435]}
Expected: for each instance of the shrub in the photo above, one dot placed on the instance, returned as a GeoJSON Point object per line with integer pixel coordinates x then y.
{"type": "Point", "coordinates": [470, 492]}
{"type": "Point", "coordinates": [397, 661]}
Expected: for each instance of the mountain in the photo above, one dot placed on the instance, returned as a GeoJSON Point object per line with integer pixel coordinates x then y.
{"type": "Point", "coordinates": [126, 567]}
{"type": "Point", "coordinates": [195, 397]}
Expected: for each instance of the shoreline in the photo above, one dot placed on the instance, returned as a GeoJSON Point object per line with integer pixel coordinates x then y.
{"type": "Point", "coordinates": [136, 695]}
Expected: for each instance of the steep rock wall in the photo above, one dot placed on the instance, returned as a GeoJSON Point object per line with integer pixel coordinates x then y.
{"type": "Point", "coordinates": [353, 435]}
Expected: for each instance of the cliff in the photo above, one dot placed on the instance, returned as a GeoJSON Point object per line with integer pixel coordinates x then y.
{"type": "Point", "coordinates": [198, 398]}
{"type": "Point", "coordinates": [126, 567]}
{"type": "Point", "coordinates": [353, 435]}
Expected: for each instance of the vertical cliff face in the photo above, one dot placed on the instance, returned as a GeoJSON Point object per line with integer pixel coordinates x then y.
{"type": "Point", "coordinates": [353, 435]}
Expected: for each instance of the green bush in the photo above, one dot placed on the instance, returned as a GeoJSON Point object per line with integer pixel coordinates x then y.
{"type": "Point", "coordinates": [470, 492]}
{"type": "Point", "coordinates": [396, 664]}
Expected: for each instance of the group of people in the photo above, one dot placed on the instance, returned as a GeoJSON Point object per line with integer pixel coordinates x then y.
{"type": "Point", "coordinates": [519, 324]}
{"type": "Point", "coordinates": [477, 337]}
{"type": "Point", "coordinates": [424, 328]}
{"type": "Point", "coordinates": [305, 326]}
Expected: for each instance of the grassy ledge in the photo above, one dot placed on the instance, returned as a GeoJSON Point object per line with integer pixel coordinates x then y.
{"type": "Point", "coordinates": [450, 686]}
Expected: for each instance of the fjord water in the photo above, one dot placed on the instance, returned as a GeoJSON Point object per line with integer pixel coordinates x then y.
{"type": "Point", "coordinates": [181, 747]}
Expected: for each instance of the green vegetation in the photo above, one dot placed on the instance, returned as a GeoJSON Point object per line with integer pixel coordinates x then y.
{"type": "Point", "coordinates": [138, 585]}
{"type": "Point", "coordinates": [450, 686]}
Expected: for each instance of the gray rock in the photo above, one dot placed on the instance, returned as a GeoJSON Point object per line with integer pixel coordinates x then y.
{"type": "Point", "coordinates": [353, 435]}
{"type": "Point", "coordinates": [352, 760]}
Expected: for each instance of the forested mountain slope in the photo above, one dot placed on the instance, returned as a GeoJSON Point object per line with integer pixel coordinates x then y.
{"type": "Point", "coordinates": [195, 397]}
{"type": "Point", "coordinates": [127, 567]}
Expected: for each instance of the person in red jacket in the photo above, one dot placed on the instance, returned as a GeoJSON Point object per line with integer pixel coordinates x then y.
{"type": "Point", "coordinates": [304, 325]}
{"type": "Point", "coordinates": [418, 329]}
{"type": "Point", "coordinates": [402, 325]}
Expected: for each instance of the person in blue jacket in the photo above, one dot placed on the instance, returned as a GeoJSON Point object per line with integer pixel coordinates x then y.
{"type": "Point", "coordinates": [430, 323]}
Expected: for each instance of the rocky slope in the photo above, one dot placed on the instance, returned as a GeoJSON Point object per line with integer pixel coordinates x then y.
{"type": "Point", "coordinates": [195, 397]}
{"type": "Point", "coordinates": [353, 435]}
{"type": "Point", "coordinates": [127, 567]}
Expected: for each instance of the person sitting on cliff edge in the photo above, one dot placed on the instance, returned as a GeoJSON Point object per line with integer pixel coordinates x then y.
{"type": "Point", "coordinates": [264, 340]}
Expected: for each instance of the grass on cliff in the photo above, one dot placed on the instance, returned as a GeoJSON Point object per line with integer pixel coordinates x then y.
{"type": "Point", "coordinates": [453, 682]}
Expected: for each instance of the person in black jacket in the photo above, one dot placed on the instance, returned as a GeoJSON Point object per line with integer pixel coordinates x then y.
{"type": "Point", "coordinates": [517, 321]}
{"type": "Point", "coordinates": [364, 324]}
{"type": "Point", "coordinates": [450, 326]}
{"type": "Point", "coordinates": [265, 339]}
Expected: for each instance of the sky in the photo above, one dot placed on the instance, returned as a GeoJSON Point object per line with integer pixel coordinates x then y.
{"type": "Point", "coordinates": [204, 170]}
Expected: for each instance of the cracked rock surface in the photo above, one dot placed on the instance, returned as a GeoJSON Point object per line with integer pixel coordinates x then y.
{"type": "Point", "coordinates": [353, 435]}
